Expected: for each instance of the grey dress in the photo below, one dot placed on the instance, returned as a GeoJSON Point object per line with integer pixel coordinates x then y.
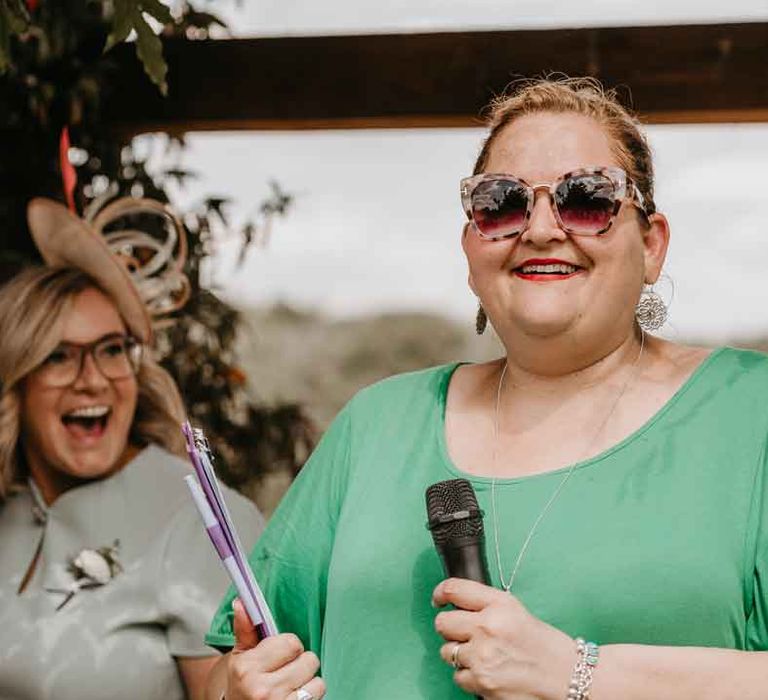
{"type": "Point", "coordinates": [116, 640]}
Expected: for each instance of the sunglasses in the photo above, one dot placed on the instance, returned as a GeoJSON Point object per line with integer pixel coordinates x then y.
{"type": "Point", "coordinates": [584, 202]}
{"type": "Point", "coordinates": [115, 356]}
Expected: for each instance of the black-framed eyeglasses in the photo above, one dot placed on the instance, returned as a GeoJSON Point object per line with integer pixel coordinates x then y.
{"type": "Point", "coordinates": [116, 356]}
{"type": "Point", "coordinates": [584, 202]}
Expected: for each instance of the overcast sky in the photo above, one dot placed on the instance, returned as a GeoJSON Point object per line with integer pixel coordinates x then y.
{"type": "Point", "coordinates": [285, 17]}
{"type": "Point", "coordinates": [376, 220]}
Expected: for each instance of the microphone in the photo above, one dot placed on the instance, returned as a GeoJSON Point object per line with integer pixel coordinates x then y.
{"type": "Point", "coordinates": [456, 524]}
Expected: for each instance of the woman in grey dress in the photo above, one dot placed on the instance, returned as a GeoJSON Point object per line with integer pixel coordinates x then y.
{"type": "Point", "coordinates": [107, 582]}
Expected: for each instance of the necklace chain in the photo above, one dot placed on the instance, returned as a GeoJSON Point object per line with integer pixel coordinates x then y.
{"type": "Point", "coordinates": [507, 585]}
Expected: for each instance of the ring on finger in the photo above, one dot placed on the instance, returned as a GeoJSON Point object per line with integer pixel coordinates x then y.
{"type": "Point", "coordinates": [455, 662]}
{"type": "Point", "coordinates": [303, 694]}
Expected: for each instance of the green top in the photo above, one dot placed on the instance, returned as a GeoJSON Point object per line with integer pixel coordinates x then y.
{"type": "Point", "coordinates": [659, 540]}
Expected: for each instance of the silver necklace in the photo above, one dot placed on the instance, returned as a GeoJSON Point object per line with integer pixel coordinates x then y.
{"type": "Point", "coordinates": [507, 585]}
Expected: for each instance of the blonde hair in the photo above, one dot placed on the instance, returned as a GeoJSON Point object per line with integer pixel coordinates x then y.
{"type": "Point", "coordinates": [584, 96]}
{"type": "Point", "coordinates": [32, 306]}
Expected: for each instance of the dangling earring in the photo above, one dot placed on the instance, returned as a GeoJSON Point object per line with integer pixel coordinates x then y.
{"type": "Point", "coordinates": [651, 311]}
{"type": "Point", "coordinates": [481, 321]}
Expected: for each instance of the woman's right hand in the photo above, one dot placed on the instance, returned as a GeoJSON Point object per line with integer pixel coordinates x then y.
{"type": "Point", "coordinates": [274, 670]}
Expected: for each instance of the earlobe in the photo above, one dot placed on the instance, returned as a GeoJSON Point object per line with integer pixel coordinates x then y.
{"type": "Point", "coordinates": [656, 243]}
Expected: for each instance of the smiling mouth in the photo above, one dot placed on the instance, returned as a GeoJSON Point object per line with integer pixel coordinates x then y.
{"type": "Point", "coordinates": [547, 270]}
{"type": "Point", "coordinates": [88, 422]}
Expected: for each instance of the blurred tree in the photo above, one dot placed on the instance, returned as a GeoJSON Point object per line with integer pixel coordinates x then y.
{"type": "Point", "coordinates": [55, 73]}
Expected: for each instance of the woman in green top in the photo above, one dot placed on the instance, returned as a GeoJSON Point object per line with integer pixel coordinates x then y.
{"type": "Point", "coordinates": [622, 476]}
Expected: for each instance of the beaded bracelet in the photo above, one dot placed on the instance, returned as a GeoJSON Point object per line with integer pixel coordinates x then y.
{"type": "Point", "coordinates": [581, 679]}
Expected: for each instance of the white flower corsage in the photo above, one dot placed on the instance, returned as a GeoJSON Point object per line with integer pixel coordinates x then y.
{"type": "Point", "coordinates": [91, 568]}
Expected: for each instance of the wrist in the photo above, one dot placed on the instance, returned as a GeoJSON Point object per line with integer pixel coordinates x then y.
{"type": "Point", "coordinates": [582, 675]}
{"type": "Point", "coordinates": [553, 679]}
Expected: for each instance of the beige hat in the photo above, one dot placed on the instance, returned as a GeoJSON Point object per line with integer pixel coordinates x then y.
{"type": "Point", "coordinates": [65, 240]}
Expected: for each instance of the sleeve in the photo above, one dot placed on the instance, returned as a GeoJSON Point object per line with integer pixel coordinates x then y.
{"type": "Point", "coordinates": [757, 549]}
{"type": "Point", "coordinates": [192, 579]}
{"type": "Point", "coordinates": [291, 559]}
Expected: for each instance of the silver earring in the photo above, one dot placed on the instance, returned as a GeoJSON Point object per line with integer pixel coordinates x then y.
{"type": "Point", "coordinates": [481, 321]}
{"type": "Point", "coordinates": [651, 311]}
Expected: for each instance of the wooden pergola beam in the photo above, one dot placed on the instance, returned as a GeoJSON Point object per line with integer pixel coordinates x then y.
{"type": "Point", "coordinates": [687, 73]}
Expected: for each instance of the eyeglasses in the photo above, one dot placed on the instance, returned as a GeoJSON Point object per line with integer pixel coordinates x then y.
{"type": "Point", "coordinates": [584, 202]}
{"type": "Point", "coordinates": [115, 356]}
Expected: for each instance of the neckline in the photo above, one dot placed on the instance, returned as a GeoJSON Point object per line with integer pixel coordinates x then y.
{"type": "Point", "coordinates": [453, 469]}
{"type": "Point", "coordinates": [45, 511]}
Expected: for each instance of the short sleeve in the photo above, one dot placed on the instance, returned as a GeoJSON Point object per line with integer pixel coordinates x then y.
{"type": "Point", "coordinates": [192, 579]}
{"type": "Point", "coordinates": [291, 559]}
{"type": "Point", "coordinates": [757, 551]}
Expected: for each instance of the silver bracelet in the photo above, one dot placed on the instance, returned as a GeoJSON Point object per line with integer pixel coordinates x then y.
{"type": "Point", "coordinates": [581, 678]}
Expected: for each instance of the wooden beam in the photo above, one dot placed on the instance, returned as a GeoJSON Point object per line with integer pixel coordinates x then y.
{"type": "Point", "coordinates": [670, 74]}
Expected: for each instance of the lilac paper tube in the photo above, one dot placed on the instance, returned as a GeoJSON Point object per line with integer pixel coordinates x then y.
{"type": "Point", "coordinates": [223, 536]}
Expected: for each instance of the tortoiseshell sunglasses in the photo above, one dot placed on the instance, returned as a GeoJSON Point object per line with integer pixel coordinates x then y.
{"type": "Point", "coordinates": [584, 202]}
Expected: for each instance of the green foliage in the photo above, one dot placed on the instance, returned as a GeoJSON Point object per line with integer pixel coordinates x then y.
{"type": "Point", "coordinates": [14, 19]}
{"type": "Point", "coordinates": [129, 17]}
{"type": "Point", "coordinates": [59, 75]}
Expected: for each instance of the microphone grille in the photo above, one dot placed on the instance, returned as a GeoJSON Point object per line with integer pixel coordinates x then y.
{"type": "Point", "coordinates": [446, 498]}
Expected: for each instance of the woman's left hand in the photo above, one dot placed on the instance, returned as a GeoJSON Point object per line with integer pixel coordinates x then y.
{"type": "Point", "coordinates": [503, 652]}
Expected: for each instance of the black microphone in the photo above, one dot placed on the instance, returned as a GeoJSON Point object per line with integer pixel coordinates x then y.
{"type": "Point", "coordinates": [456, 524]}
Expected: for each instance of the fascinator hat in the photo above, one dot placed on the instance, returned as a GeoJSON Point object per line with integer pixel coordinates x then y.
{"type": "Point", "coordinates": [141, 272]}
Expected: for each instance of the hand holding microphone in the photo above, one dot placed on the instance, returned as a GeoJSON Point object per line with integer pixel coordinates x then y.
{"type": "Point", "coordinates": [498, 649]}
{"type": "Point", "coordinates": [456, 523]}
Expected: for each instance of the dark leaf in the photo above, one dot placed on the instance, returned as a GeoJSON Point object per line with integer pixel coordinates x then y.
{"type": "Point", "coordinates": [248, 232]}
{"type": "Point", "coordinates": [122, 21]}
{"type": "Point", "coordinates": [180, 176]}
{"type": "Point", "coordinates": [215, 205]}
{"type": "Point", "coordinates": [14, 20]}
{"type": "Point", "coordinates": [149, 49]}
{"type": "Point", "coordinates": [204, 20]}
{"type": "Point", "coordinates": [159, 11]}
{"type": "Point", "coordinates": [278, 202]}
{"type": "Point", "coordinates": [5, 38]}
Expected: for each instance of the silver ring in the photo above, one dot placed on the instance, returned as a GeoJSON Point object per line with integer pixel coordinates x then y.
{"type": "Point", "coordinates": [304, 694]}
{"type": "Point", "coordinates": [455, 657]}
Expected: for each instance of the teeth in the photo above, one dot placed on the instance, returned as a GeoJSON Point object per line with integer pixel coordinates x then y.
{"type": "Point", "coordinates": [89, 412]}
{"type": "Point", "coordinates": [561, 268]}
